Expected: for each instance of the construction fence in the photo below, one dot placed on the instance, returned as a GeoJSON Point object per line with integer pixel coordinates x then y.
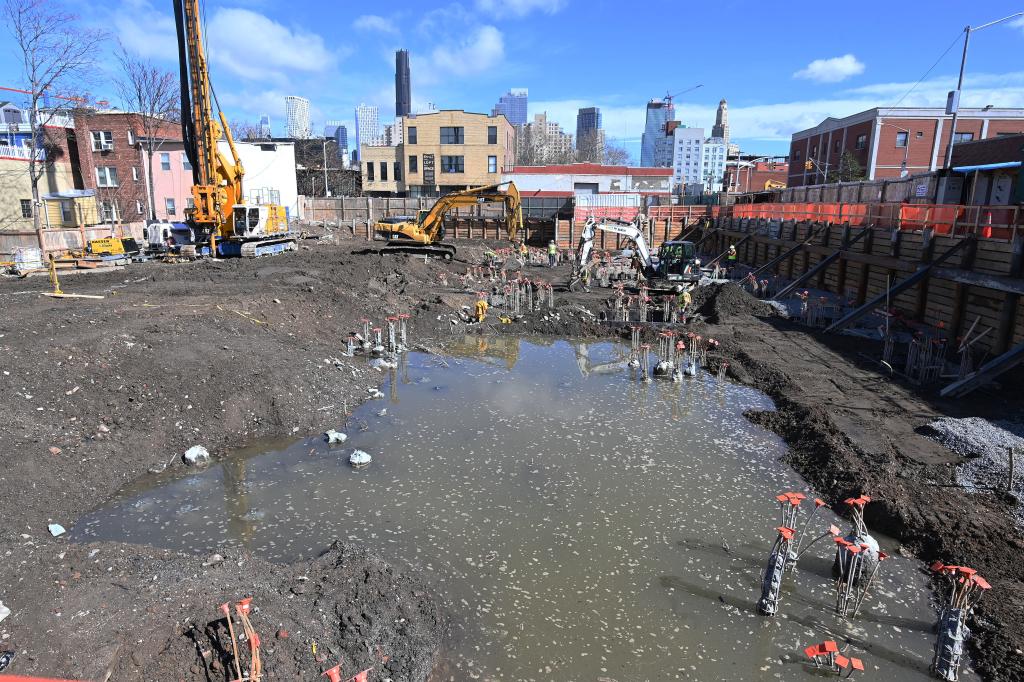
{"type": "Point", "coordinates": [62, 240]}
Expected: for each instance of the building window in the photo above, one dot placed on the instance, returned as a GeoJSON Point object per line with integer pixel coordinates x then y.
{"type": "Point", "coordinates": [102, 140]}
{"type": "Point", "coordinates": [814, 150]}
{"type": "Point", "coordinates": [412, 136]}
{"type": "Point", "coordinates": [106, 176]}
{"type": "Point", "coordinates": [919, 135]}
{"type": "Point", "coordinates": [107, 211]}
{"type": "Point", "coordinates": [492, 134]}
{"type": "Point", "coordinates": [383, 171]}
{"type": "Point", "coordinates": [165, 161]}
{"type": "Point", "coordinates": [26, 208]}
{"type": "Point", "coordinates": [135, 174]}
{"type": "Point", "coordinates": [398, 171]}
{"type": "Point", "coordinates": [963, 137]}
{"type": "Point", "coordinates": [453, 164]}
{"type": "Point", "coordinates": [67, 212]}
{"type": "Point", "coordinates": [862, 141]}
{"type": "Point", "coordinates": [131, 139]}
{"type": "Point", "coordinates": [185, 165]}
{"type": "Point", "coordinates": [413, 164]}
{"type": "Point", "coordinates": [837, 145]}
{"type": "Point", "coordinates": [797, 155]}
{"type": "Point", "coordinates": [492, 164]}
{"type": "Point", "coordinates": [169, 206]}
{"type": "Point", "coordinates": [902, 139]}
{"type": "Point", "coordinates": [138, 207]}
{"type": "Point", "coordinates": [190, 203]}
{"type": "Point", "coordinates": [369, 171]}
{"type": "Point", "coordinates": [452, 135]}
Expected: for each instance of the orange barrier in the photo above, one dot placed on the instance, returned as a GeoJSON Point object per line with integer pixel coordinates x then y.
{"type": "Point", "coordinates": [988, 222]}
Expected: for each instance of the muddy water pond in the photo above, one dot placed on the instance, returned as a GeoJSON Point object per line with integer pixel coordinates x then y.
{"type": "Point", "coordinates": [578, 524]}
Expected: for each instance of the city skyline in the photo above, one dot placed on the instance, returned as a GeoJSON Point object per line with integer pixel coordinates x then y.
{"type": "Point", "coordinates": [338, 64]}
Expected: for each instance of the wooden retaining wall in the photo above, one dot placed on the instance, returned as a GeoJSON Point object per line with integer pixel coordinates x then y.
{"type": "Point", "coordinates": [982, 281]}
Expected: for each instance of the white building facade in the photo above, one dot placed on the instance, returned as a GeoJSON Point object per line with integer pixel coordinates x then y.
{"type": "Point", "coordinates": [687, 155]}
{"type": "Point", "coordinates": [297, 110]}
{"type": "Point", "coordinates": [713, 164]}
{"type": "Point", "coordinates": [367, 126]}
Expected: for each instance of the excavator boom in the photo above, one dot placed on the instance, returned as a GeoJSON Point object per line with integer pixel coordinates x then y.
{"type": "Point", "coordinates": [426, 233]}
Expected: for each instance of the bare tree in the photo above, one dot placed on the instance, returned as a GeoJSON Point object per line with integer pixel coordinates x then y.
{"type": "Point", "coordinates": [246, 130]}
{"type": "Point", "coordinates": [590, 147]}
{"type": "Point", "coordinates": [56, 53]}
{"type": "Point", "coordinates": [615, 155]}
{"type": "Point", "coordinates": [155, 95]}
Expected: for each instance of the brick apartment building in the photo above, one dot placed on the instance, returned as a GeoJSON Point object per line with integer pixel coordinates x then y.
{"type": "Point", "coordinates": [883, 140]}
{"type": "Point", "coordinates": [109, 155]}
{"type": "Point", "coordinates": [441, 152]}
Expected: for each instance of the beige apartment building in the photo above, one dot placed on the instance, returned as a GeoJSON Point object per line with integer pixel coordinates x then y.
{"type": "Point", "coordinates": [441, 152]}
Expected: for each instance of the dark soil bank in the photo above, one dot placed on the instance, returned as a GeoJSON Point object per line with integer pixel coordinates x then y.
{"type": "Point", "coordinates": [98, 392]}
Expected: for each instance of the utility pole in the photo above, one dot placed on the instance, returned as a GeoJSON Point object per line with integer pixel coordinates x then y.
{"type": "Point", "coordinates": [953, 100]}
{"type": "Point", "coordinates": [327, 191]}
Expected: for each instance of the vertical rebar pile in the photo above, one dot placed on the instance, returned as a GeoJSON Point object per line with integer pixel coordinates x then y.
{"type": "Point", "coordinates": [645, 361]}
{"type": "Point", "coordinates": [965, 589]}
{"type": "Point", "coordinates": [392, 337]}
{"type": "Point", "coordinates": [888, 346]}
{"type": "Point", "coordinates": [350, 346]}
{"type": "Point", "coordinates": [634, 345]}
{"type": "Point", "coordinates": [403, 332]}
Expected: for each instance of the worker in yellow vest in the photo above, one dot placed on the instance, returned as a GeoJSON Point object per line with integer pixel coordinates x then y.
{"type": "Point", "coordinates": [552, 253]}
{"type": "Point", "coordinates": [481, 311]}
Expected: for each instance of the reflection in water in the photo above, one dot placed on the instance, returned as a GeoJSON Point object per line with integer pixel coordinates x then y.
{"type": "Point", "coordinates": [575, 525]}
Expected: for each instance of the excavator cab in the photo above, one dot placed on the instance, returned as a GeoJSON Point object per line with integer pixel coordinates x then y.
{"type": "Point", "coordinates": [678, 262]}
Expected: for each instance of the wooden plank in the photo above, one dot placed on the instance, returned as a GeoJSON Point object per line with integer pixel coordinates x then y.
{"type": "Point", "coordinates": [895, 289]}
{"type": "Point", "coordinates": [1008, 311]}
{"type": "Point", "coordinates": [959, 304]}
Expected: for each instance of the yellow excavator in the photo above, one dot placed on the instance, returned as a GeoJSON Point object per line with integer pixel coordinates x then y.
{"type": "Point", "coordinates": [425, 232]}
{"type": "Point", "coordinates": [222, 223]}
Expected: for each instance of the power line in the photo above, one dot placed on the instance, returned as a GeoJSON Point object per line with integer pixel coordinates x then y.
{"type": "Point", "coordinates": [926, 73]}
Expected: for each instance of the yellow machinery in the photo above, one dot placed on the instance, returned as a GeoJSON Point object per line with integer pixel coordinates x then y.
{"type": "Point", "coordinates": [112, 246]}
{"type": "Point", "coordinates": [425, 233]}
{"type": "Point", "coordinates": [221, 216]}
{"type": "Point", "coordinates": [774, 184]}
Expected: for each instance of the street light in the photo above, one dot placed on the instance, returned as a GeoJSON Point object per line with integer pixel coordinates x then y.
{"type": "Point", "coordinates": [953, 101]}
{"type": "Point", "coordinates": [906, 148]}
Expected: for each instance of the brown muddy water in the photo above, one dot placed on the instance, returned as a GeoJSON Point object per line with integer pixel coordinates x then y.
{"type": "Point", "coordinates": [577, 523]}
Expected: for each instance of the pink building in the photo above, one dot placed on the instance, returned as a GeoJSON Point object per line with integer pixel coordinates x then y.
{"type": "Point", "coordinates": [172, 180]}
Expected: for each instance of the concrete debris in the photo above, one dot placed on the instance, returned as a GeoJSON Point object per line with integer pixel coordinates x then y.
{"type": "Point", "coordinates": [56, 530]}
{"type": "Point", "coordinates": [335, 437]}
{"type": "Point", "coordinates": [4, 611]}
{"type": "Point", "coordinates": [358, 458]}
{"type": "Point", "coordinates": [197, 456]}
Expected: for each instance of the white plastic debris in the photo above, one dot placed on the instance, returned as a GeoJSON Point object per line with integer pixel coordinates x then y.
{"type": "Point", "coordinates": [334, 437]}
{"type": "Point", "coordinates": [197, 456]}
{"type": "Point", "coordinates": [375, 394]}
{"type": "Point", "coordinates": [4, 611]}
{"type": "Point", "coordinates": [359, 458]}
{"type": "Point", "coordinates": [56, 530]}
{"type": "Point", "coordinates": [383, 363]}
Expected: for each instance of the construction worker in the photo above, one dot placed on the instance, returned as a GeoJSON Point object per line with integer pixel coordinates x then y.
{"type": "Point", "coordinates": [685, 299]}
{"type": "Point", "coordinates": [481, 311]}
{"type": "Point", "coordinates": [524, 253]}
{"type": "Point", "coordinates": [585, 276]}
{"type": "Point", "coordinates": [731, 257]}
{"type": "Point", "coordinates": [552, 253]}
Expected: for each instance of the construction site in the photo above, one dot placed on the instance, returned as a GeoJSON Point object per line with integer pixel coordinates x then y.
{"type": "Point", "coordinates": [505, 433]}
{"type": "Point", "coordinates": [571, 479]}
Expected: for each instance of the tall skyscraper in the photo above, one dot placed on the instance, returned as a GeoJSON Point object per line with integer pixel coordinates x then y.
{"type": "Point", "coordinates": [265, 126]}
{"type": "Point", "coordinates": [403, 84]}
{"type": "Point", "coordinates": [513, 105]}
{"type": "Point", "coordinates": [721, 127]}
{"type": "Point", "coordinates": [334, 130]}
{"type": "Point", "coordinates": [367, 127]}
{"type": "Point", "coordinates": [297, 109]}
{"type": "Point", "coordinates": [589, 136]}
{"type": "Point", "coordinates": [656, 144]}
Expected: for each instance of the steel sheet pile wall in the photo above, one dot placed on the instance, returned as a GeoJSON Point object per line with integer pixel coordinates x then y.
{"type": "Point", "coordinates": [982, 282]}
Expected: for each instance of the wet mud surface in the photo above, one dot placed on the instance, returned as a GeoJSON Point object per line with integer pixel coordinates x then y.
{"type": "Point", "coordinates": [98, 392]}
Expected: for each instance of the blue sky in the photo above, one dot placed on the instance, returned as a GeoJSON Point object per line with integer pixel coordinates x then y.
{"type": "Point", "coordinates": [782, 66]}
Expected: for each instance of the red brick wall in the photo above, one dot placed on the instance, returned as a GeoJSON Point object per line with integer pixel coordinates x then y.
{"type": "Point", "coordinates": [129, 193]}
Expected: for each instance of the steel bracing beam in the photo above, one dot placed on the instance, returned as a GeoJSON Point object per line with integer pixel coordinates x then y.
{"type": "Point", "coordinates": [896, 288]}
{"type": "Point", "coordinates": [827, 261]}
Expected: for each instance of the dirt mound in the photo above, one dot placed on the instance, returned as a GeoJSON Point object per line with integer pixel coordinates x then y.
{"type": "Point", "coordinates": [721, 302]}
{"type": "Point", "coordinates": [353, 606]}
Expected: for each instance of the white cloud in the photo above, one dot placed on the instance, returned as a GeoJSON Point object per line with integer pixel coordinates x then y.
{"type": "Point", "coordinates": [831, 70]}
{"type": "Point", "coordinates": [481, 51]}
{"type": "Point", "coordinates": [518, 8]}
{"type": "Point", "coordinates": [254, 47]}
{"type": "Point", "coordinates": [146, 31]}
{"type": "Point", "coordinates": [1019, 23]}
{"type": "Point", "coordinates": [372, 22]}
